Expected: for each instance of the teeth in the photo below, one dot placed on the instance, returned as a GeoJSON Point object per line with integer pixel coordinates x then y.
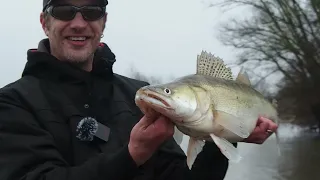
{"type": "Point", "coordinates": [77, 38]}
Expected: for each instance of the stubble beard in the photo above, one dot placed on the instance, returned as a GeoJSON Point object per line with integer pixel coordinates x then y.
{"type": "Point", "coordinates": [78, 57]}
{"type": "Point", "coordinates": [82, 58]}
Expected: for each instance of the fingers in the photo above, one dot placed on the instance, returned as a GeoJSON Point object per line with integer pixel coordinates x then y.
{"type": "Point", "coordinates": [264, 129]}
{"type": "Point", "coordinates": [157, 122]}
{"type": "Point", "coordinates": [151, 113]}
{"type": "Point", "coordinates": [263, 125]}
{"type": "Point", "coordinates": [146, 121]}
{"type": "Point", "coordinates": [267, 125]}
{"type": "Point", "coordinates": [273, 126]}
{"type": "Point", "coordinates": [149, 118]}
{"type": "Point", "coordinates": [260, 120]}
{"type": "Point", "coordinates": [163, 121]}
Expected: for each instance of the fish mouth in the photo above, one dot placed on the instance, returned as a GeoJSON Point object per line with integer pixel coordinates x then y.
{"type": "Point", "coordinates": [153, 98]}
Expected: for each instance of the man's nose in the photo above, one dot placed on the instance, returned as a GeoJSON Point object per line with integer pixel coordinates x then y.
{"type": "Point", "coordinates": [78, 22]}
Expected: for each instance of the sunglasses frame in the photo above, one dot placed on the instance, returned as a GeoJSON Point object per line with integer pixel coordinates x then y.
{"type": "Point", "coordinates": [77, 9]}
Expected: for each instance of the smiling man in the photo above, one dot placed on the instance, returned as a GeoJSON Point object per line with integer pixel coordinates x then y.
{"type": "Point", "coordinates": [74, 37]}
{"type": "Point", "coordinates": [69, 117]}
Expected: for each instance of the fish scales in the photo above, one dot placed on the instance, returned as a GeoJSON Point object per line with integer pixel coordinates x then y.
{"type": "Point", "coordinates": [238, 94]}
{"type": "Point", "coordinates": [230, 96]}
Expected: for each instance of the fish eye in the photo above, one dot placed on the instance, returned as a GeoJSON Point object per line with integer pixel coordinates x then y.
{"type": "Point", "coordinates": [167, 91]}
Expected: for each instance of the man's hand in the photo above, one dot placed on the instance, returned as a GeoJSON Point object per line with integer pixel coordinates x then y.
{"type": "Point", "coordinates": [147, 135]}
{"type": "Point", "coordinates": [265, 127]}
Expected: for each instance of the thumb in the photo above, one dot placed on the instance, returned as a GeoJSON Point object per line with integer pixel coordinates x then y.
{"type": "Point", "coordinates": [152, 114]}
{"type": "Point", "coordinates": [148, 119]}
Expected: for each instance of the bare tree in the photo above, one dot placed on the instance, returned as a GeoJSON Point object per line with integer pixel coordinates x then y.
{"type": "Point", "coordinates": [134, 73]}
{"type": "Point", "coordinates": [282, 37]}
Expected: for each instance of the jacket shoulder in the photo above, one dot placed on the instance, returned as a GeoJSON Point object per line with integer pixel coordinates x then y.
{"type": "Point", "coordinates": [20, 90]}
{"type": "Point", "coordinates": [22, 83]}
{"type": "Point", "coordinates": [130, 82]}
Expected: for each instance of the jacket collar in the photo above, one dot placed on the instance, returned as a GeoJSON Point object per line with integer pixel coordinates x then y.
{"type": "Point", "coordinates": [42, 64]}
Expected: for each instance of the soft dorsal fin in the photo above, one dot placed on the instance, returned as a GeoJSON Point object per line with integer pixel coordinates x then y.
{"type": "Point", "coordinates": [208, 64]}
{"type": "Point", "coordinates": [243, 77]}
{"type": "Point", "coordinates": [274, 103]}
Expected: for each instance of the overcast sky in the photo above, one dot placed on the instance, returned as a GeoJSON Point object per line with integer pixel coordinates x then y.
{"type": "Point", "coordinates": [158, 37]}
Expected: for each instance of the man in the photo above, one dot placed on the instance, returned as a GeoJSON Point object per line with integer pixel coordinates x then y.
{"type": "Point", "coordinates": [69, 79]}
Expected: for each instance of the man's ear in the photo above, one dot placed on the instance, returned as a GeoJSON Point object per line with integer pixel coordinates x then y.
{"type": "Point", "coordinates": [44, 22]}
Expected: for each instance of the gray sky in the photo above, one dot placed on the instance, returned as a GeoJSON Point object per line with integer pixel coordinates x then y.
{"type": "Point", "coordinates": [159, 37]}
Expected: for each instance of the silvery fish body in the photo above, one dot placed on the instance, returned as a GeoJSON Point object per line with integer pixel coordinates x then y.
{"type": "Point", "coordinates": [214, 98]}
{"type": "Point", "coordinates": [209, 106]}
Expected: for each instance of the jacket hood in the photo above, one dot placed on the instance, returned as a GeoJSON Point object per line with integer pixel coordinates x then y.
{"type": "Point", "coordinates": [41, 63]}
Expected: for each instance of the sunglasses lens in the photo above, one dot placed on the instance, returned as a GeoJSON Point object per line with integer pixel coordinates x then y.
{"type": "Point", "coordinates": [64, 12]}
{"type": "Point", "coordinates": [67, 13]}
{"type": "Point", "coordinates": [92, 13]}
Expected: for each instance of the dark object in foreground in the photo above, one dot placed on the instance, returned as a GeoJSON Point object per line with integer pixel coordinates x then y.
{"type": "Point", "coordinates": [316, 112]}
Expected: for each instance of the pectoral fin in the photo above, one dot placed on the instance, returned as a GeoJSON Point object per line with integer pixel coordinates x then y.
{"type": "Point", "coordinates": [194, 148]}
{"type": "Point", "coordinates": [226, 148]}
{"type": "Point", "coordinates": [232, 123]}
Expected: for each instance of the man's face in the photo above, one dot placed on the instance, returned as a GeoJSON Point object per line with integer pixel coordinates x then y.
{"type": "Point", "coordinates": [74, 40]}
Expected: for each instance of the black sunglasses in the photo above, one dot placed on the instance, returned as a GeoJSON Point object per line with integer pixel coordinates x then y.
{"type": "Point", "coordinates": [68, 12]}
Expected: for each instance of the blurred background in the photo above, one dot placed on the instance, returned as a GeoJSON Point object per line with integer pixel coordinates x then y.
{"type": "Point", "coordinates": [276, 41]}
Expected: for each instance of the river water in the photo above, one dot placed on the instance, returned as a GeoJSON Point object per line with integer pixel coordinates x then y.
{"type": "Point", "coordinates": [299, 159]}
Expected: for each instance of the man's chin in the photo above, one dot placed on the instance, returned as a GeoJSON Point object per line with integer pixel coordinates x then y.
{"type": "Point", "coordinates": [81, 53]}
{"type": "Point", "coordinates": [75, 56]}
{"type": "Point", "coordinates": [84, 64]}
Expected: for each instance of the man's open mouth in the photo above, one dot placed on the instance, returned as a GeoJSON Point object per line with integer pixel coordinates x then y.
{"type": "Point", "coordinates": [78, 38]}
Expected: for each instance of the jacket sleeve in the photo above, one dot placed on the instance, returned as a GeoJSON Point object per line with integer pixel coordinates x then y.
{"type": "Point", "coordinates": [28, 152]}
{"type": "Point", "coordinates": [210, 163]}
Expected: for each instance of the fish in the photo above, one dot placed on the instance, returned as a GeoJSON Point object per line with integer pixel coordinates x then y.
{"type": "Point", "coordinates": [209, 106]}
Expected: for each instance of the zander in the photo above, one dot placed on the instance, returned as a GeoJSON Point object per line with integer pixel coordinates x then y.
{"type": "Point", "coordinates": [209, 106]}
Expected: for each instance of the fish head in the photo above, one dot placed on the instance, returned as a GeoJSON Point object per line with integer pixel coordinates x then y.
{"type": "Point", "coordinates": [176, 101]}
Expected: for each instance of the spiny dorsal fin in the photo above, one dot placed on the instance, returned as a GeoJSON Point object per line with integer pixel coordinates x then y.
{"type": "Point", "coordinates": [243, 77]}
{"type": "Point", "coordinates": [208, 64]}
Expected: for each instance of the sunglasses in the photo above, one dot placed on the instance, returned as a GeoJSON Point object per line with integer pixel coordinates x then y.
{"type": "Point", "coordinates": [68, 12]}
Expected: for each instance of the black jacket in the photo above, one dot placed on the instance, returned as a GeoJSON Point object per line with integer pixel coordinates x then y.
{"type": "Point", "coordinates": [40, 111]}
